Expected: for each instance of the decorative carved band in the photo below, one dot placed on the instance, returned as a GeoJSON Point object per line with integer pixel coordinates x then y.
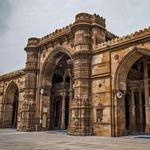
{"type": "Point", "coordinates": [82, 55]}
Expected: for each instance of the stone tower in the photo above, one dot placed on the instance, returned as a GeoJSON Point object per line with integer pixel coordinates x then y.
{"type": "Point", "coordinates": [88, 30]}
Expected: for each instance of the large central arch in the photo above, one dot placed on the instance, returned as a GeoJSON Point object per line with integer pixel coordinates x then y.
{"type": "Point", "coordinates": [55, 86]}
{"type": "Point", "coordinates": [122, 85]}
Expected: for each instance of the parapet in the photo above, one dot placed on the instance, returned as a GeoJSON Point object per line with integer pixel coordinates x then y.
{"type": "Point", "coordinates": [81, 18]}
{"type": "Point", "coordinates": [126, 38]}
{"type": "Point", "coordinates": [55, 34]}
{"type": "Point", "coordinates": [88, 18]}
{"type": "Point", "coordinates": [33, 41]}
{"type": "Point", "coordinates": [12, 74]}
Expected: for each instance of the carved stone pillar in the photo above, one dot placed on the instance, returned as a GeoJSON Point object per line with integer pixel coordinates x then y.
{"type": "Point", "coordinates": [141, 110]}
{"type": "Point", "coordinates": [132, 112]}
{"type": "Point", "coordinates": [63, 111]}
{"type": "Point", "coordinates": [71, 86]}
{"type": "Point", "coordinates": [71, 97]}
{"type": "Point", "coordinates": [147, 98]}
{"type": "Point", "coordinates": [31, 71]}
{"type": "Point", "coordinates": [50, 112]}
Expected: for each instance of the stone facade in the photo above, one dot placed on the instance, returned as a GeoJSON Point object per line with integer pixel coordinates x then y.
{"type": "Point", "coordinates": [81, 78]}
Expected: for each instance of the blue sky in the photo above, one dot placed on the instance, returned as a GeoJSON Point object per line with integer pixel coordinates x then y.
{"type": "Point", "coordinates": [21, 19]}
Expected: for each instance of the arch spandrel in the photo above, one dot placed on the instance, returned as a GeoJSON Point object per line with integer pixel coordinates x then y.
{"type": "Point", "coordinates": [126, 63]}
{"type": "Point", "coordinates": [69, 51]}
{"type": "Point", "coordinates": [49, 63]}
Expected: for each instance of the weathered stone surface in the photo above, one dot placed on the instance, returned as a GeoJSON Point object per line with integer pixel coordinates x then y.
{"type": "Point", "coordinates": [72, 80]}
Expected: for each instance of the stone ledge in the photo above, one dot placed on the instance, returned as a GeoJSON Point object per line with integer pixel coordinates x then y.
{"type": "Point", "coordinates": [129, 37]}
{"type": "Point", "coordinates": [12, 74]}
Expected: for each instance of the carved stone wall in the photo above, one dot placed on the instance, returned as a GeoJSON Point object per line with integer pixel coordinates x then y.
{"type": "Point", "coordinates": [8, 83]}
{"type": "Point", "coordinates": [100, 62]}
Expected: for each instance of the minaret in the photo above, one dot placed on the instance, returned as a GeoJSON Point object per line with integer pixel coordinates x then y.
{"type": "Point", "coordinates": [30, 84]}
{"type": "Point", "coordinates": [86, 30]}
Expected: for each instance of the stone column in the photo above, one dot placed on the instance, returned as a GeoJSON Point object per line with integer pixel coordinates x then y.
{"type": "Point", "coordinates": [63, 111]}
{"type": "Point", "coordinates": [70, 100]}
{"type": "Point", "coordinates": [141, 110]}
{"type": "Point", "coordinates": [71, 85]}
{"type": "Point", "coordinates": [132, 111]}
{"type": "Point", "coordinates": [50, 112]}
{"type": "Point", "coordinates": [147, 97]}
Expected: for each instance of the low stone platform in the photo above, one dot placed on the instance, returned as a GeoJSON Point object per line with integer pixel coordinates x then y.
{"type": "Point", "coordinates": [12, 140]}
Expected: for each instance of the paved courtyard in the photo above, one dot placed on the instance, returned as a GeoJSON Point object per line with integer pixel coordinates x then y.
{"type": "Point", "coordinates": [52, 140]}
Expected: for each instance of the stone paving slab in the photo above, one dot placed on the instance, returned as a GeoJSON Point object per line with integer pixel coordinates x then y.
{"type": "Point", "coordinates": [51, 140]}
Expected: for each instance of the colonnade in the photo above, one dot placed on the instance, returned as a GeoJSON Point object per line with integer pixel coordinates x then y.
{"type": "Point", "coordinates": [147, 96]}
{"type": "Point", "coordinates": [136, 107]}
{"type": "Point", "coordinates": [139, 103]}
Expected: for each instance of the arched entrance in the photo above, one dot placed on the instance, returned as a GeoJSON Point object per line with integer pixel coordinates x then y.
{"type": "Point", "coordinates": [11, 106]}
{"type": "Point", "coordinates": [57, 84]}
{"type": "Point", "coordinates": [135, 98]}
{"type": "Point", "coordinates": [133, 80]}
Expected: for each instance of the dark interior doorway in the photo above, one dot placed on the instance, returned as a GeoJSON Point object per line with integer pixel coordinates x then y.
{"type": "Point", "coordinates": [127, 111]}
{"type": "Point", "coordinates": [15, 110]}
{"type": "Point", "coordinates": [135, 99]}
{"type": "Point", "coordinates": [60, 94]}
{"type": "Point", "coordinates": [67, 112]}
{"type": "Point", "coordinates": [11, 104]}
{"type": "Point", "coordinates": [57, 112]}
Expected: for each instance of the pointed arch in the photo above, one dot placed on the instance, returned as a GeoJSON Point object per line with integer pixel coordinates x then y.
{"type": "Point", "coordinates": [11, 100]}
{"type": "Point", "coordinates": [121, 84]}
{"type": "Point", "coordinates": [125, 65]}
{"type": "Point", "coordinates": [50, 62]}
{"type": "Point", "coordinates": [56, 66]}
{"type": "Point", "coordinates": [11, 88]}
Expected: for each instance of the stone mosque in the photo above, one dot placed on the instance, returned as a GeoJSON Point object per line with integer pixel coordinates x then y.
{"type": "Point", "coordinates": [82, 79]}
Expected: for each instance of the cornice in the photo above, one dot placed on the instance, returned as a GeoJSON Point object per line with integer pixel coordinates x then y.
{"type": "Point", "coordinates": [56, 34]}
{"type": "Point", "coordinates": [124, 40]}
{"type": "Point", "coordinates": [12, 74]}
